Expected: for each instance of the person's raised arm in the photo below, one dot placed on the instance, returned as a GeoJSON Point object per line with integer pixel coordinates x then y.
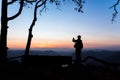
{"type": "Point", "coordinates": [73, 39]}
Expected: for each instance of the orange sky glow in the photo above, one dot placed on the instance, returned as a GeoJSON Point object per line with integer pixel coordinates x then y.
{"type": "Point", "coordinates": [56, 28]}
{"type": "Point", "coordinates": [58, 44]}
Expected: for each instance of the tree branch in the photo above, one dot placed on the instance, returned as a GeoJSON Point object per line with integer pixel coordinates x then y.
{"type": "Point", "coordinates": [43, 2]}
{"type": "Point", "coordinates": [35, 16]}
{"type": "Point", "coordinates": [79, 4]}
{"type": "Point", "coordinates": [44, 7]}
{"type": "Point", "coordinates": [30, 1]}
{"type": "Point", "coordinates": [19, 12]}
{"type": "Point", "coordinates": [115, 10]}
{"type": "Point", "coordinates": [12, 2]}
{"type": "Point", "coordinates": [35, 12]}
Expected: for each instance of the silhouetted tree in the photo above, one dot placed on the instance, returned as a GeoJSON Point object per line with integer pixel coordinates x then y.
{"type": "Point", "coordinates": [37, 5]}
{"type": "Point", "coordinates": [5, 19]}
{"type": "Point", "coordinates": [4, 26]}
{"type": "Point", "coordinates": [43, 3]}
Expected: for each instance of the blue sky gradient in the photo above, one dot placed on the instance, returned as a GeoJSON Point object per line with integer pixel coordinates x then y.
{"type": "Point", "coordinates": [56, 27]}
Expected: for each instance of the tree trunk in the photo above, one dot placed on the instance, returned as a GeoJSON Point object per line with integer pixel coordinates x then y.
{"type": "Point", "coordinates": [28, 42]}
{"type": "Point", "coordinates": [3, 43]}
{"type": "Point", "coordinates": [30, 31]}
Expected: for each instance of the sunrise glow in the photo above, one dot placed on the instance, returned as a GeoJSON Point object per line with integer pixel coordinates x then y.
{"type": "Point", "coordinates": [56, 28]}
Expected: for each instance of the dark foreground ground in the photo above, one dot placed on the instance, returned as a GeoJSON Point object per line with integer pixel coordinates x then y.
{"type": "Point", "coordinates": [48, 69]}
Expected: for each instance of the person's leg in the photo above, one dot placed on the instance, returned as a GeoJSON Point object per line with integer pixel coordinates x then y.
{"type": "Point", "coordinates": [78, 55]}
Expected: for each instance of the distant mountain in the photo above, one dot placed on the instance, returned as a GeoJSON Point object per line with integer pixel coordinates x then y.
{"type": "Point", "coordinates": [115, 58]}
{"type": "Point", "coordinates": [106, 55]}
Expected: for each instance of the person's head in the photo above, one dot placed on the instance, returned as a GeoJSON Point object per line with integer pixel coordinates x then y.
{"type": "Point", "coordinates": [79, 37]}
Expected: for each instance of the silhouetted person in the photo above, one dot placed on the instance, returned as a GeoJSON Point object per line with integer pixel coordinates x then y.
{"type": "Point", "coordinates": [78, 47]}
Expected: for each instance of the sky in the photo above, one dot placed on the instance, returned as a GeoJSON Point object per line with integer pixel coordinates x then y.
{"type": "Point", "coordinates": [55, 27]}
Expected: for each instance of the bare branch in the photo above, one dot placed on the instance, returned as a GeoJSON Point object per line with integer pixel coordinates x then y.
{"type": "Point", "coordinates": [30, 0]}
{"type": "Point", "coordinates": [44, 8]}
{"type": "Point", "coordinates": [115, 10]}
{"type": "Point", "coordinates": [12, 2]}
{"type": "Point", "coordinates": [79, 4]}
{"type": "Point", "coordinates": [43, 3]}
{"type": "Point", "coordinates": [19, 12]}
